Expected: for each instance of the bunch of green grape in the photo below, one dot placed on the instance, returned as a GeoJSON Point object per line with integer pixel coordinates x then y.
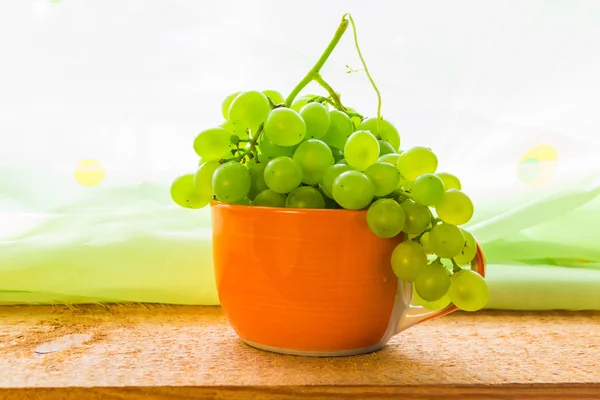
{"type": "Point", "coordinates": [318, 154]}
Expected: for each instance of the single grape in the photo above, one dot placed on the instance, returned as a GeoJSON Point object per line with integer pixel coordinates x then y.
{"type": "Point", "coordinates": [275, 96]}
{"type": "Point", "coordinates": [433, 282]}
{"type": "Point", "coordinates": [285, 127]}
{"type": "Point", "coordinates": [390, 158]}
{"type": "Point", "coordinates": [204, 175]}
{"type": "Point", "coordinates": [271, 150]}
{"type": "Point", "coordinates": [468, 290]}
{"type": "Point", "coordinates": [227, 103]}
{"type": "Point", "coordinates": [185, 194]}
{"type": "Point", "coordinates": [249, 109]}
{"type": "Point", "coordinates": [269, 198]}
{"type": "Point", "coordinates": [385, 148]}
{"type": "Point", "coordinates": [386, 131]}
{"type": "Point", "coordinates": [329, 176]}
{"type": "Point", "coordinates": [418, 217]}
{"type": "Point", "coordinates": [408, 260]}
{"type": "Point", "coordinates": [356, 120]}
{"type": "Point", "coordinates": [427, 190]}
{"type": "Point", "coordinates": [305, 197]}
{"type": "Point", "coordinates": [431, 305]}
{"type": "Point", "coordinates": [314, 156]}
{"type": "Point", "coordinates": [257, 180]}
{"type": "Point", "coordinates": [243, 202]}
{"type": "Point", "coordinates": [212, 144]}
{"type": "Point", "coordinates": [385, 178]}
{"type": "Point", "coordinates": [385, 218]}
{"type": "Point", "coordinates": [283, 174]}
{"type": "Point", "coordinates": [301, 102]}
{"type": "Point", "coordinates": [340, 128]}
{"type": "Point", "coordinates": [468, 252]}
{"type": "Point", "coordinates": [426, 243]}
{"type": "Point", "coordinates": [361, 150]}
{"type": "Point", "coordinates": [446, 240]}
{"type": "Point", "coordinates": [455, 207]}
{"type": "Point", "coordinates": [417, 161]}
{"type": "Point", "coordinates": [231, 182]}
{"type": "Point", "coordinates": [353, 190]}
{"type": "Point", "coordinates": [337, 154]}
{"type": "Point", "coordinates": [342, 161]}
{"type": "Point", "coordinates": [317, 120]}
{"type": "Point", "coordinates": [450, 181]}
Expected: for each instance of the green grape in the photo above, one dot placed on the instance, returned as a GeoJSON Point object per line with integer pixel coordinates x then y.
{"type": "Point", "coordinates": [446, 240]}
{"type": "Point", "coordinates": [185, 194]}
{"type": "Point", "coordinates": [285, 127]}
{"type": "Point", "coordinates": [301, 102]}
{"type": "Point", "coordinates": [433, 282]}
{"type": "Point", "coordinates": [385, 178]}
{"type": "Point", "coordinates": [404, 184]}
{"type": "Point", "coordinates": [314, 156]}
{"type": "Point", "coordinates": [269, 198]}
{"type": "Point", "coordinates": [342, 161]}
{"type": "Point", "coordinates": [353, 190]}
{"type": "Point", "coordinates": [243, 202]}
{"type": "Point", "coordinates": [204, 175]}
{"type": "Point", "coordinates": [271, 150]}
{"type": "Point", "coordinates": [231, 182]}
{"type": "Point", "coordinates": [417, 161]}
{"type": "Point", "coordinates": [329, 176]}
{"type": "Point", "coordinates": [257, 180]}
{"type": "Point", "coordinates": [249, 109]}
{"type": "Point", "coordinates": [408, 260]}
{"type": "Point", "coordinates": [361, 150]}
{"type": "Point", "coordinates": [316, 118]}
{"type": "Point", "coordinates": [431, 305]}
{"type": "Point", "coordinates": [337, 154]}
{"type": "Point", "coordinates": [450, 181]}
{"type": "Point", "coordinates": [212, 144]}
{"type": "Point", "coordinates": [234, 130]}
{"type": "Point", "coordinates": [468, 290]}
{"type": "Point", "coordinates": [227, 103]}
{"type": "Point", "coordinates": [305, 197]}
{"type": "Point", "coordinates": [385, 148]}
{"type": "Point", "coordinates": [390, 159]}
{"type": "Point", "coordinates": [385, 218]}
{"type": "Point", "coordinates": [418, 217]}
{"type": "Point", "coordinates": [356, 120]}
{"type": "Point", "coordinates": [340, 128]}
{"type": "Point", "coordinates": [427, 189]}
{"type": "Point", "coordinates": [275, 96]}
{"type": "Point", "coordinates": [426, 243]}
{"type": "Point", "coordinates": [386, 131]}
{"type": "Point", "coordinates": [283, 174]}
{"type": "Point", "coordinates": [469, 251]}
{"type": "Point", "coordinates": [455, 207]}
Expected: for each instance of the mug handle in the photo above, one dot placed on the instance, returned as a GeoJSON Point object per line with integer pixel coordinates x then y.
{"type": "Point", "coordinates": [417, 314]}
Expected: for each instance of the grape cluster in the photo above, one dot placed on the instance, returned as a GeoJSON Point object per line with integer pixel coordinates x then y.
{"type": "Point", "coordinates": [312, 155]}
{"type": "Point", "coordinates": [316, 153]}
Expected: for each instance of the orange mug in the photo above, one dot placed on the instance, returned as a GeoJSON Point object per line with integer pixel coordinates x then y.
{"type": "Point", "coordinates": [310, 282]}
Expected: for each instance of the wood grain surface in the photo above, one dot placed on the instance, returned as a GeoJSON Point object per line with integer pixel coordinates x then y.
{"type": "Point", "coordinates": [152, 352]}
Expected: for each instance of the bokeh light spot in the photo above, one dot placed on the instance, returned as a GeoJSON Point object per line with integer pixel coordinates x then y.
{"type": "Point", "coordinates": [537, 165]}
{"type": "Point", "coordinates": [89, 173]}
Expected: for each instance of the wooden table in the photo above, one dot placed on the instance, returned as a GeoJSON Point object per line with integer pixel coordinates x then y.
{"type": "Point", "coordinates": [160, 352]}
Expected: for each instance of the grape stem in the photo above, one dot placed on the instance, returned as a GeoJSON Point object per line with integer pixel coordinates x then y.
{"type": "Point", "coordinates": [336, 97]}
{"type": "Point", "coordinates": [455, 266]}
{"type": "Point", "coordinates": [364, 64]}
{"type": "Point", "coordinates": [314, 71]}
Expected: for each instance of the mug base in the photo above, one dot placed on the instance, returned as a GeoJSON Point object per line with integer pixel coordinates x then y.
{"type": "Point", "coordinates": [311, 353]}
